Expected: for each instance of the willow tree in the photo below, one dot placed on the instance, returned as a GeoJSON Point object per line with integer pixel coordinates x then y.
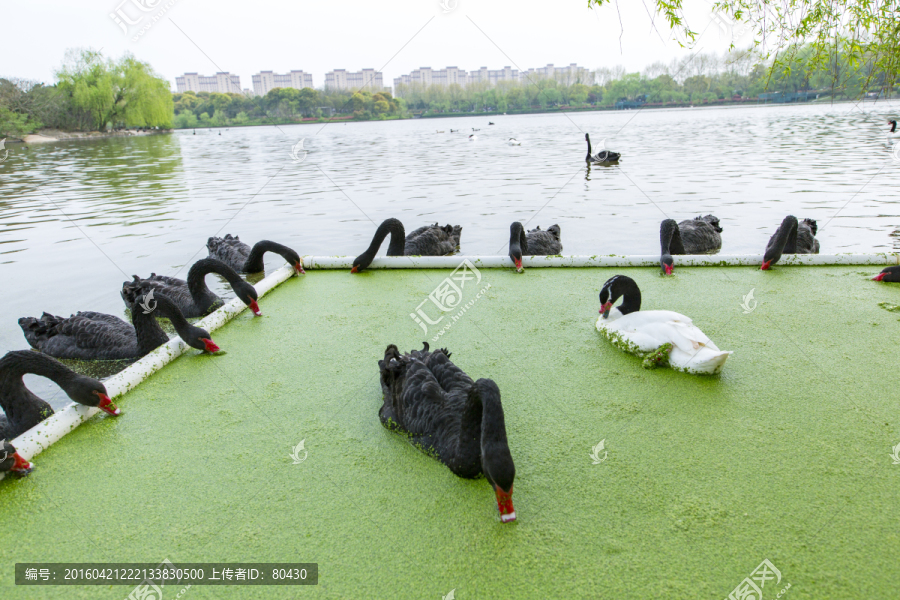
{"type": "Point", "coordinates": [855, 44]}
{"type": "Point", "coordinates": [127, 91]}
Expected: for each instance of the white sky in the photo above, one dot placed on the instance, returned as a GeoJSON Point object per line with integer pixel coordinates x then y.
{"type": "Point", "coordinates": [316, 36]}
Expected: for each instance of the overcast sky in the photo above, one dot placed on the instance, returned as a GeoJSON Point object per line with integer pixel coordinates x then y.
{"type": "Point", "coordinates": [245, 37]}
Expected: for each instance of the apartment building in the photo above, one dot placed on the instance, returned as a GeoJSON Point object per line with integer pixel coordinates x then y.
{"type": "Point", "coordinates": [220, 82]}
{"type": "Point", "coordinates": [267, 80]}
{"type": "Point", "coordinates": [368, 79]}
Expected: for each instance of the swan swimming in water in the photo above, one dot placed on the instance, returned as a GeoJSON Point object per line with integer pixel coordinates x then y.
{"type": "Point", "coordinates": [514, 142]}
{"type": "Point", "coordinates": [660, 337]}
{"type": "Point", "coordinates": [603, 156]}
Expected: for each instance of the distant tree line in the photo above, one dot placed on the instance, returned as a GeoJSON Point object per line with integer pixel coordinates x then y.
{"type": "Point", "coordinates": [739, 74]}
{"type": "Point", "coordinates": [90, 94]}
{"type": "Point", "coordinates": [280, 105]}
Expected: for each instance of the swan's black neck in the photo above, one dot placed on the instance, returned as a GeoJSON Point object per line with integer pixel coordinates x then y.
{"type": "Point", "coordinates": [496, 460]}
{"type": "Point", "coordinates": [196, 280]}
{"type": "Point", "coordinates": [254, 262]}
{"type": "Point", "coordinates": [784, 241]}
{"type": "Point", "coordinates": [518, 242]}
{"type": "Point", "coordinates": [395, 248]}
{"type": "Point", "coordinates": [19, 404]}
{"type": "Point", "coordinates": [588, 139]}
{"type": "Point", "coordinates": [670, 241]}
{"type": "Point", "coordinates": [620, 286]}
{"type": "Point", "coordinates": [893, 126]}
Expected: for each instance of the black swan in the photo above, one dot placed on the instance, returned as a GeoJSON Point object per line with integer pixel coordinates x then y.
{"type": "Point", "coordinates": [12, 462]}
{"type": "Point", "coordinates": [98, 336]}
{"type": "Point", "coordinates": [243, 259]}
{"type": "Point", "coordinates": [534, 243]}
{"type": "Point", "coordinates": [893, 134]}
{"type": "Point", "coordinates": [604, 156]}
{"type": "Point", "coordinates": [888, 274]}
{"type": "Point", "coordinates": [695, 236]}
{"type": "Point", "coordinates": [192, 297]}
{"type": "Point", "coordinates": [431, 240]}
{"type": "Point", "coordinates": [445, 414]}
{"type": "Point", "coordinates": [23, 409]}
{"type": "Point", "coordinates": [791, 238]}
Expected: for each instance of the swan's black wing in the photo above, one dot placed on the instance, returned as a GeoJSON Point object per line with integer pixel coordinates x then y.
{"type": "Point", "coordinates": [544, 242]}
{"type": "Point", "coordinates": [230, 250]}
{"type": "Point", "coordinates": [699, 236]}
{"type": "Point", "coordinates": [84, 335]}
{"type": "Point", "coordinates": [806, 237]}
{"type": "Point", "coordinates": [432, 241]}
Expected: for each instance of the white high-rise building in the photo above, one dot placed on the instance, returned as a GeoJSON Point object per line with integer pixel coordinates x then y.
{"type": "Point", "coordinates": [267, 80]}
{"type": "Point", "coordinates": [224, 83]}
{"type": "Point", "coordinates": [368, 79]}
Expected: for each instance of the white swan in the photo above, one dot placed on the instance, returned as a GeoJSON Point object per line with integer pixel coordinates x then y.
{"type": "Point", "coordinates": [658, 336]}
{"type": "Point", "coordinates": [514, 142]}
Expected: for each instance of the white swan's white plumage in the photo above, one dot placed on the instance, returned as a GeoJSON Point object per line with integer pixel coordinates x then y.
{"type": "Point", "coordinates": [643, 332]}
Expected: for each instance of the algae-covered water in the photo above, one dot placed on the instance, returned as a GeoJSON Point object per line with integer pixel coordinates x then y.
{"type": "Point", "coordinates": [785, 456]}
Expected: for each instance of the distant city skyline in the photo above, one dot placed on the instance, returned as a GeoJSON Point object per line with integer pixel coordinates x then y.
{"type": "Point", "coordinates": [373, 81]}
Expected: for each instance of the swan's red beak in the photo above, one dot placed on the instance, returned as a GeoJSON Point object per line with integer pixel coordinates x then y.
{"type": "Point", "coordinates": [21, 467]}
{"type": "Point", "coordinates": [353, 270]}
{"type": "Point", "coordinates": [299, 268]}
{"type": "Point", "coordinates": [504, 503]}
{"type": "Point", "coordinates": [107, 405]}
{"type": "Point", "coordinates": [210, 345]}
{"type": "Point", "coordinates": [604, 310]}
{"type": "Point", "coordinates": [519, 268]}
{"type": "Point", "coordinates": [879, 277]}
{"type": "Point", "coordinates": [765, 266]}
{"type": "Point", "coordinates": [669, 269]}
{"type": "Point", "coordinates": [255, 308]}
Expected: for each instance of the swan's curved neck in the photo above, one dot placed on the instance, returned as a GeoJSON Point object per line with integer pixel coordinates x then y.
{"type": "Point", "coordinates": [196, 278]}
{"type": "Point", "coordinates": [588, 139]}
{"type": "Point", "coordinates": [17, 402]}
{"type": "Point", "coordinates": [670, 241]}
{"type": "Point", "coordinates": [893, 126]}
{"type": "Point", "coordinates": [631, 301]}
{"type": "Point", "coordinates": [496, 460]}
{"type": "Point", "coordinates": [398, 239]}
{"type": "Point", "coordinates": [254, 262]}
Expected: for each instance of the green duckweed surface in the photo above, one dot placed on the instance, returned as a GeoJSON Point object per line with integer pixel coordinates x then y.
{"type": "Point", "coordinates": [785, 456]}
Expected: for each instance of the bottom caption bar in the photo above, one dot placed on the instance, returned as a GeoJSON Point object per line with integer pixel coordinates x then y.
{"type": "Point", "coordinates": [160, 575]}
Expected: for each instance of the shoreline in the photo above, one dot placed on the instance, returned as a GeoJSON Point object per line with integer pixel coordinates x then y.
{"type": "Point", "coordinates": [45, 136]}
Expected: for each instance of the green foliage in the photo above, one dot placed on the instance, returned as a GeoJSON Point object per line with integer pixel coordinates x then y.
{"type": "Point", "coordinates": [850, 45]}
{"type": "Point", "coordinates": [112, 93]}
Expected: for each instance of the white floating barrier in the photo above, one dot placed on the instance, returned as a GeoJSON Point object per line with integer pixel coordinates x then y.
{"type": "Point", "coordinates": [41, 436]}
{"type": "Point", "coordinates": [597, 260]}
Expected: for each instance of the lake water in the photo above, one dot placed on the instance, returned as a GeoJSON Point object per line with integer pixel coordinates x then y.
{"type": "Point", "coordinates": [78, 218]}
